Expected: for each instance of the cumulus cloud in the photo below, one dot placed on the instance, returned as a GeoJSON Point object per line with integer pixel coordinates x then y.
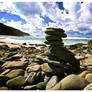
{"type": "Point", "coordinates": [78, 19]}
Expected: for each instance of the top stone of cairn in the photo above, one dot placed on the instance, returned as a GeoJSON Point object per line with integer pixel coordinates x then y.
{"type": "Point", "coordinates": [55, 31]}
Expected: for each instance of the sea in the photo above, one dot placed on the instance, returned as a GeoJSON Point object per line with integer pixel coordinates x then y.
{"type": "Point", "coordinates": [41, 39]}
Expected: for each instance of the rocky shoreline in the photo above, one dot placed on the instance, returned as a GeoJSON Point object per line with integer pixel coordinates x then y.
{"type": "Point", "coordinates": [25, 67]}
{"type": "Point", "coordinates": [46, 67]}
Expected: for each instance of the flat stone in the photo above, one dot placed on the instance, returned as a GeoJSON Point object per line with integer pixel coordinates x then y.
{"type": "Point", "coordinates": [57, 32]}
{"type": "Point", "coordinates": [88, 87]}
{"type": "Point", "coordinates": [5, 72]}
{"type": "Point", "coordinates": [16, 82]}
{"type": "Point", "coordinates": [54, 43]}
{"type": "Point", "coordinates": [32, 87]}
{"type": "Point", "coordinates": [71, 82]}
{"type": "Point", "coordinates": [3, 88]}
{"type": "Point", "coordinates": [89, 77]}
{"type": "Point", "coordinates": [15, 73]}
{"type": "Point", "coordinates": [14, 64]}
{"type": "Point", "coordinates": [52, 38]}
{"type": "Point", "coordinates": [30, 78]}
{"type": "Point", "coordinates": [52, 82]}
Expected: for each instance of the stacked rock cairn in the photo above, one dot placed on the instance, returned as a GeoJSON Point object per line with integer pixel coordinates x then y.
{"type": "Point", "coordinates": [63, 61]}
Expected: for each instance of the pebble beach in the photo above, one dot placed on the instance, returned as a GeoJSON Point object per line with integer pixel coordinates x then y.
{"type": "Point", "coordinates": [33, 67]}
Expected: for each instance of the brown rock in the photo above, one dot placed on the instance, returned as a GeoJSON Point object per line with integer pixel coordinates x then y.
{"type": "Point", "coordinates": [46, 68]}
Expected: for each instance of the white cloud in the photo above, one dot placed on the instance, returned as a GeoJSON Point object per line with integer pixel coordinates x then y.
{"type": "Point", "coordinates": [78, 19]}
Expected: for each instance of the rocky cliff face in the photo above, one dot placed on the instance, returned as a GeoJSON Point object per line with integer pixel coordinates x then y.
{"type": "Point", "coordinates": [6, 30]}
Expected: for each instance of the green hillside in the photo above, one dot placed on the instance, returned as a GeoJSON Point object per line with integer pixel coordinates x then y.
{"type": "Point", "coordinates": [7, 30]}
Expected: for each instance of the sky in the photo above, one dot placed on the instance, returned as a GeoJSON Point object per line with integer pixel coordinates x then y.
{"type": "Point", "coordinates": [34, 17]}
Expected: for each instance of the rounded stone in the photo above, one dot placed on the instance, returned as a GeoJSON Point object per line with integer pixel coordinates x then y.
{"type": "Point", "coordinates": [88, 87]}
{"type": "Point", "coordinates": [89, 77]}
{"type": "Point", "coordinates": [15, 73]}
{"type": "Point", "coordinates": [46, 68]}
{"type": "Point", "coordinates": [71, 82]}
{"type": "Point", "coordinates": [52, 82]}
{"type": "Point", "coordinates": [55, 31]}
{"type": "Point", "coordinates": [16, 82]}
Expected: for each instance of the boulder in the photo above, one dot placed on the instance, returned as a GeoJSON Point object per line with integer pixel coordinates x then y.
{"type": "Point", "coordinates": [88, 87]}
{"type": "Point", "coordinates": [52, 82]}
{"type": "Point", "coordinates": [66, 55]}
{"type": "Point", "coordinates": [71, 82]}
{"type": "Point", "coordinates": [15, 73]}
{"type": "Point", "coordinates": [16, 82]}
{"type": "Point", "coordinates": [89, 77]}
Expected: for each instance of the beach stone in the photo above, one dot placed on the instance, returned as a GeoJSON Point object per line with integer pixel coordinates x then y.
{"type": "Point", "coordinates": [88, 87]}
{"type": "Point", "coordinates": [46, 68]}
{"type": "Point", "coordinates": [55, 31]}
{"type": "Point", "coordinates": [4, 47]}
{"type": "Point", "coordinates": [66, 55]}
{"type": "Point", "coordinates": [54, 43]}
{"type": "Point", "coordinates": [52, 82]}
{"type": "Point", "coordinates": [41, 85]}
{"type": "Point", "coordinates": [13, 58]}
{"type": "Point", "coordinates": [52, 38]}
{"type": "Point", "coordinates": [84, 73]}
{"type": "Point", "coordinates": [3, 80]}
{"type": "Point", "coordinates": [71, 82]}
{"type": "Point", "coordinates": [3, 88]}
{"type": "Point", "coordinates": [14, 64]}
{"type": "Point", "coordinates": [15, 73]}
{"type": "Point", "coordinates": [5, 72]}
{"type": "Point", "coordinates": [16, 82]}
{"type": "Point", "coordinates": [32, 87]}
{"type": "Point", "coordinates": [89, 77]}
{"type": "Point", "coordinates": [34, 68]}
{"type": "Point", "coordinates": [30, 78]}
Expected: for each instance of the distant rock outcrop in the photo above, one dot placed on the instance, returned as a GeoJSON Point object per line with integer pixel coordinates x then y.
{"type": "Point", "coordinates": [6, 30]}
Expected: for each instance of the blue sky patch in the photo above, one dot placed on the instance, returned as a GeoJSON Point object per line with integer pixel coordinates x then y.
{"type": "Point", "coordinates": [9, 17]}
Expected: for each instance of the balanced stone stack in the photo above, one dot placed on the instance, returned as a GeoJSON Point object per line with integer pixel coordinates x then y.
{"type": "Point", "coordinates": [64, 56]}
